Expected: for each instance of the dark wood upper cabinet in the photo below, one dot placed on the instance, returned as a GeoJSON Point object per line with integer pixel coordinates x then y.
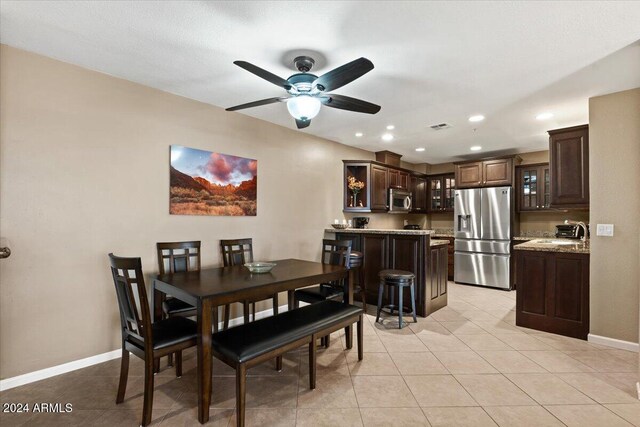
{"type": "Point", "coordinates": [404, 180]}
{"type": "Point", "coordinates": [469, 175]}
{"type": "Point", "coordinates": [497, 172]}
{"type": "Point", "coordinates": [440, 193]}
{"type": "Point", "coordinates": [377, 179]}
{"type": "Point", "coordinates": [394, 178]}
{"type": "Point", "coordinates": [533, 189]}
{"type": "Point", "coordinates": [418, 194]}
{"type": "Point", "coordinates": [569, 164]}
{"type": "Point", "coordinates": [486, 173]}
{"type": "Point", "coordinates": [379, 186]}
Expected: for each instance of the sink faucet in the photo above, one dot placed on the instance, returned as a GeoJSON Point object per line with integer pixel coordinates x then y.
{"type": "Point", "coordinates": [585, 236]}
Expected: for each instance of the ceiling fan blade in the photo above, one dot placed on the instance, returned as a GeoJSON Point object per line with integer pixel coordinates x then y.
{"type": "Point", "coordinates": [302, 123]}
{"type": "Point", "coordinates": [258, 103]}
{"type": "Point", "coordinates": [352, 104]}
{"type": "Point", "coordinates": [270, 77]}
{"type": "Point", "coordinates": [342, 75]}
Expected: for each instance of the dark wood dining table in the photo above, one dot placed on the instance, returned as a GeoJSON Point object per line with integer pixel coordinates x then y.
{"type": "Point", "coordinates": [213, 287]}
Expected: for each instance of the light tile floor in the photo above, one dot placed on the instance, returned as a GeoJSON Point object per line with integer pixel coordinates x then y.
{"type": "Point", "coordinates": [466, 365]}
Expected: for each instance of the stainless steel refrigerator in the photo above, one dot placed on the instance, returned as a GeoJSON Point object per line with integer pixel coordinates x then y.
{"type": "Point", "coordinates": [482, 232]}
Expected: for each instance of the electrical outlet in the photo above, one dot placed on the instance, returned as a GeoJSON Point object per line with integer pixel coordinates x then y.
{"type": "Point", "coordinates": [604, 230]}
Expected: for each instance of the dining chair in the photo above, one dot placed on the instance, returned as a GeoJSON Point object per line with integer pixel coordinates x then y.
{"type": "Point", "coordinates": [149, 341]}
{"type": "Point", "coordinates": [176, 257]}
{"type": "Point", "coordinates": [334, 252]}
{"type": "Point", "coordinates": [239, 252]}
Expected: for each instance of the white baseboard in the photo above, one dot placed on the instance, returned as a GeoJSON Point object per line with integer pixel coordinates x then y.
{"type": "Point", "coordinates": [615, 343]}
{"type": "Point", "coordinates": [57, 370]}
{"type": "Point", "coordinates": [42, 374]}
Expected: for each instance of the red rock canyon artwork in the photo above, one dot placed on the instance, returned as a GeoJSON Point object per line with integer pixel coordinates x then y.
{"type": "Point", "coordinates": [206, 183]}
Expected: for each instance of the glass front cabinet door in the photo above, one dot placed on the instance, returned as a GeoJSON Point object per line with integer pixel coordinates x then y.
{"type": "Point", "coordinates": [441, 193]}
{"type": "Point", "coordinates": [534, 187]}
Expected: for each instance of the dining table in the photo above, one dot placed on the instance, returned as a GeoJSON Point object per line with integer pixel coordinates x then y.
{"type": "Point", "coordinates": [212, 287]}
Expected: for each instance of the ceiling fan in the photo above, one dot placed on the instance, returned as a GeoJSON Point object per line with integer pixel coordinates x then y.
{"type": "Point", "coordinates": [307, 92]}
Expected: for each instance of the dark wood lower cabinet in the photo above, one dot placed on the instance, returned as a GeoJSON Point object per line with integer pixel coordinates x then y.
{"type": "Point", "coordinates": [450, 257]}
{"type": "Point", "coordinates": [375, 251]}
{"type": "Point", "coordinates": [553, 292]}
{"type": "Point", "coordinates": [404, 252]}
{"type": "Point", "coordinates": [437, 273]}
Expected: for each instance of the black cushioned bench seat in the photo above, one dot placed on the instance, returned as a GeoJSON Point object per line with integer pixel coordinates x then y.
{"type": "Point", "coordinates": [253, 339]}
{"type": "Point", "coordinates": [252, 343]}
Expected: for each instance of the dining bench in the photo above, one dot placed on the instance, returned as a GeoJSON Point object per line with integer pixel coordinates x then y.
{"type": "Point", "coordinates": [250, 344]}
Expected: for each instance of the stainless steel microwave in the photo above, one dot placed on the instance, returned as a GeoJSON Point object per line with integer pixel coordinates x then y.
{"type": "Point", "coordinates": [399, 200]}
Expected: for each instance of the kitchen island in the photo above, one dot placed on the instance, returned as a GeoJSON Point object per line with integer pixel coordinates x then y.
{"type": "Point", "coordinates": [553, 286]}
{"type": "Point", "coordinates": [409, 250]}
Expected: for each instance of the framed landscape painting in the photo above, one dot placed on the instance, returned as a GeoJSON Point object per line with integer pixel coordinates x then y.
{"type": "Point", "coordinates": [206, 183]}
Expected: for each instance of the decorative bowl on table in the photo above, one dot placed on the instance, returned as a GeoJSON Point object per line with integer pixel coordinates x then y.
{"type": "Point", "coordinates": [260, 267]}
{"type": "Point", "coordinates": [340, 226]}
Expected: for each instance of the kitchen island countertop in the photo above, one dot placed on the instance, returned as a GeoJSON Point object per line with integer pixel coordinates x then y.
{"type": "Point", "coordinates": [380, 231]}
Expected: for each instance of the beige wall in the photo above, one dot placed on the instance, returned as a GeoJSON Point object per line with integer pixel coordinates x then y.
{"type": "Point", "coordinates": [614, 159]}
{"type": "Point", "coordinates": [84, 170]}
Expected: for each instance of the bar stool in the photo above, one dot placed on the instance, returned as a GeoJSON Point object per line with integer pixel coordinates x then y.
{"type": "Point", "coordinates": [355, 263]}
{"type": "Point", "coordinates": [397, 279]}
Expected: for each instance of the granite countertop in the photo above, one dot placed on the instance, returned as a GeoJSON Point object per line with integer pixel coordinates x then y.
{"type": "Point", "coordinates": [535, 234]}
{"type": "Point", "coordinates": [380, 231]}
{"type": "Point", "coordinates": [435, 242]}
{"type": "Point", "coordinates": [443, 232]}
{"type": "Point", "coordinates": [547, 245]}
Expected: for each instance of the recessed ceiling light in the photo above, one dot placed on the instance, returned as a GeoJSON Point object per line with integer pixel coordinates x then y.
{"type": "Point", "coordinates": [420, 149]}
{"type": "Point", "coordinates": [476, 118]}
{"type": "Point", "coordinates": [387, 137]}
{"type": "Point", "coordinates": [475, 148]}
{"type": "Point", "coordinates": [359, 134]}
{"type": "Point", "coordinates": [544, 116]}
{"type": "Point", "coordinates": [391, 127]}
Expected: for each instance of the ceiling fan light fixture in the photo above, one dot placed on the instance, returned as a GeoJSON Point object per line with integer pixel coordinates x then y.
{"type": "Point", "coordinates": [303, 107]}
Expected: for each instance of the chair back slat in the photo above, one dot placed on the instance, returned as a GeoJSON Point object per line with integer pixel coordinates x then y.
{"type": "Point", "coordinates": [236, 252]}
{"type": "Point", "coordinates": [336, 252]}
{"type": "Point", "coordinates": [135, 316]}
{"type": "Point", "coordinates": [174, 257]}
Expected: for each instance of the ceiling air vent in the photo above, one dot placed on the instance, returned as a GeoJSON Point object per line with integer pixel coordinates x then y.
{"type": "Point", "coordinates": [440, 126]}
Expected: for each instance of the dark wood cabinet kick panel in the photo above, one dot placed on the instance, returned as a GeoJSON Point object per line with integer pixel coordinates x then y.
{"type": "Point", "coordinates": [569, 164]}
{"type": "Point", "coordinates": [553, 292]}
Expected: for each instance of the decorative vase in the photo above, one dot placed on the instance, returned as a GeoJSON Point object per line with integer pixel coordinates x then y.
{"type": "Point", "coordinates": [355, 199]}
